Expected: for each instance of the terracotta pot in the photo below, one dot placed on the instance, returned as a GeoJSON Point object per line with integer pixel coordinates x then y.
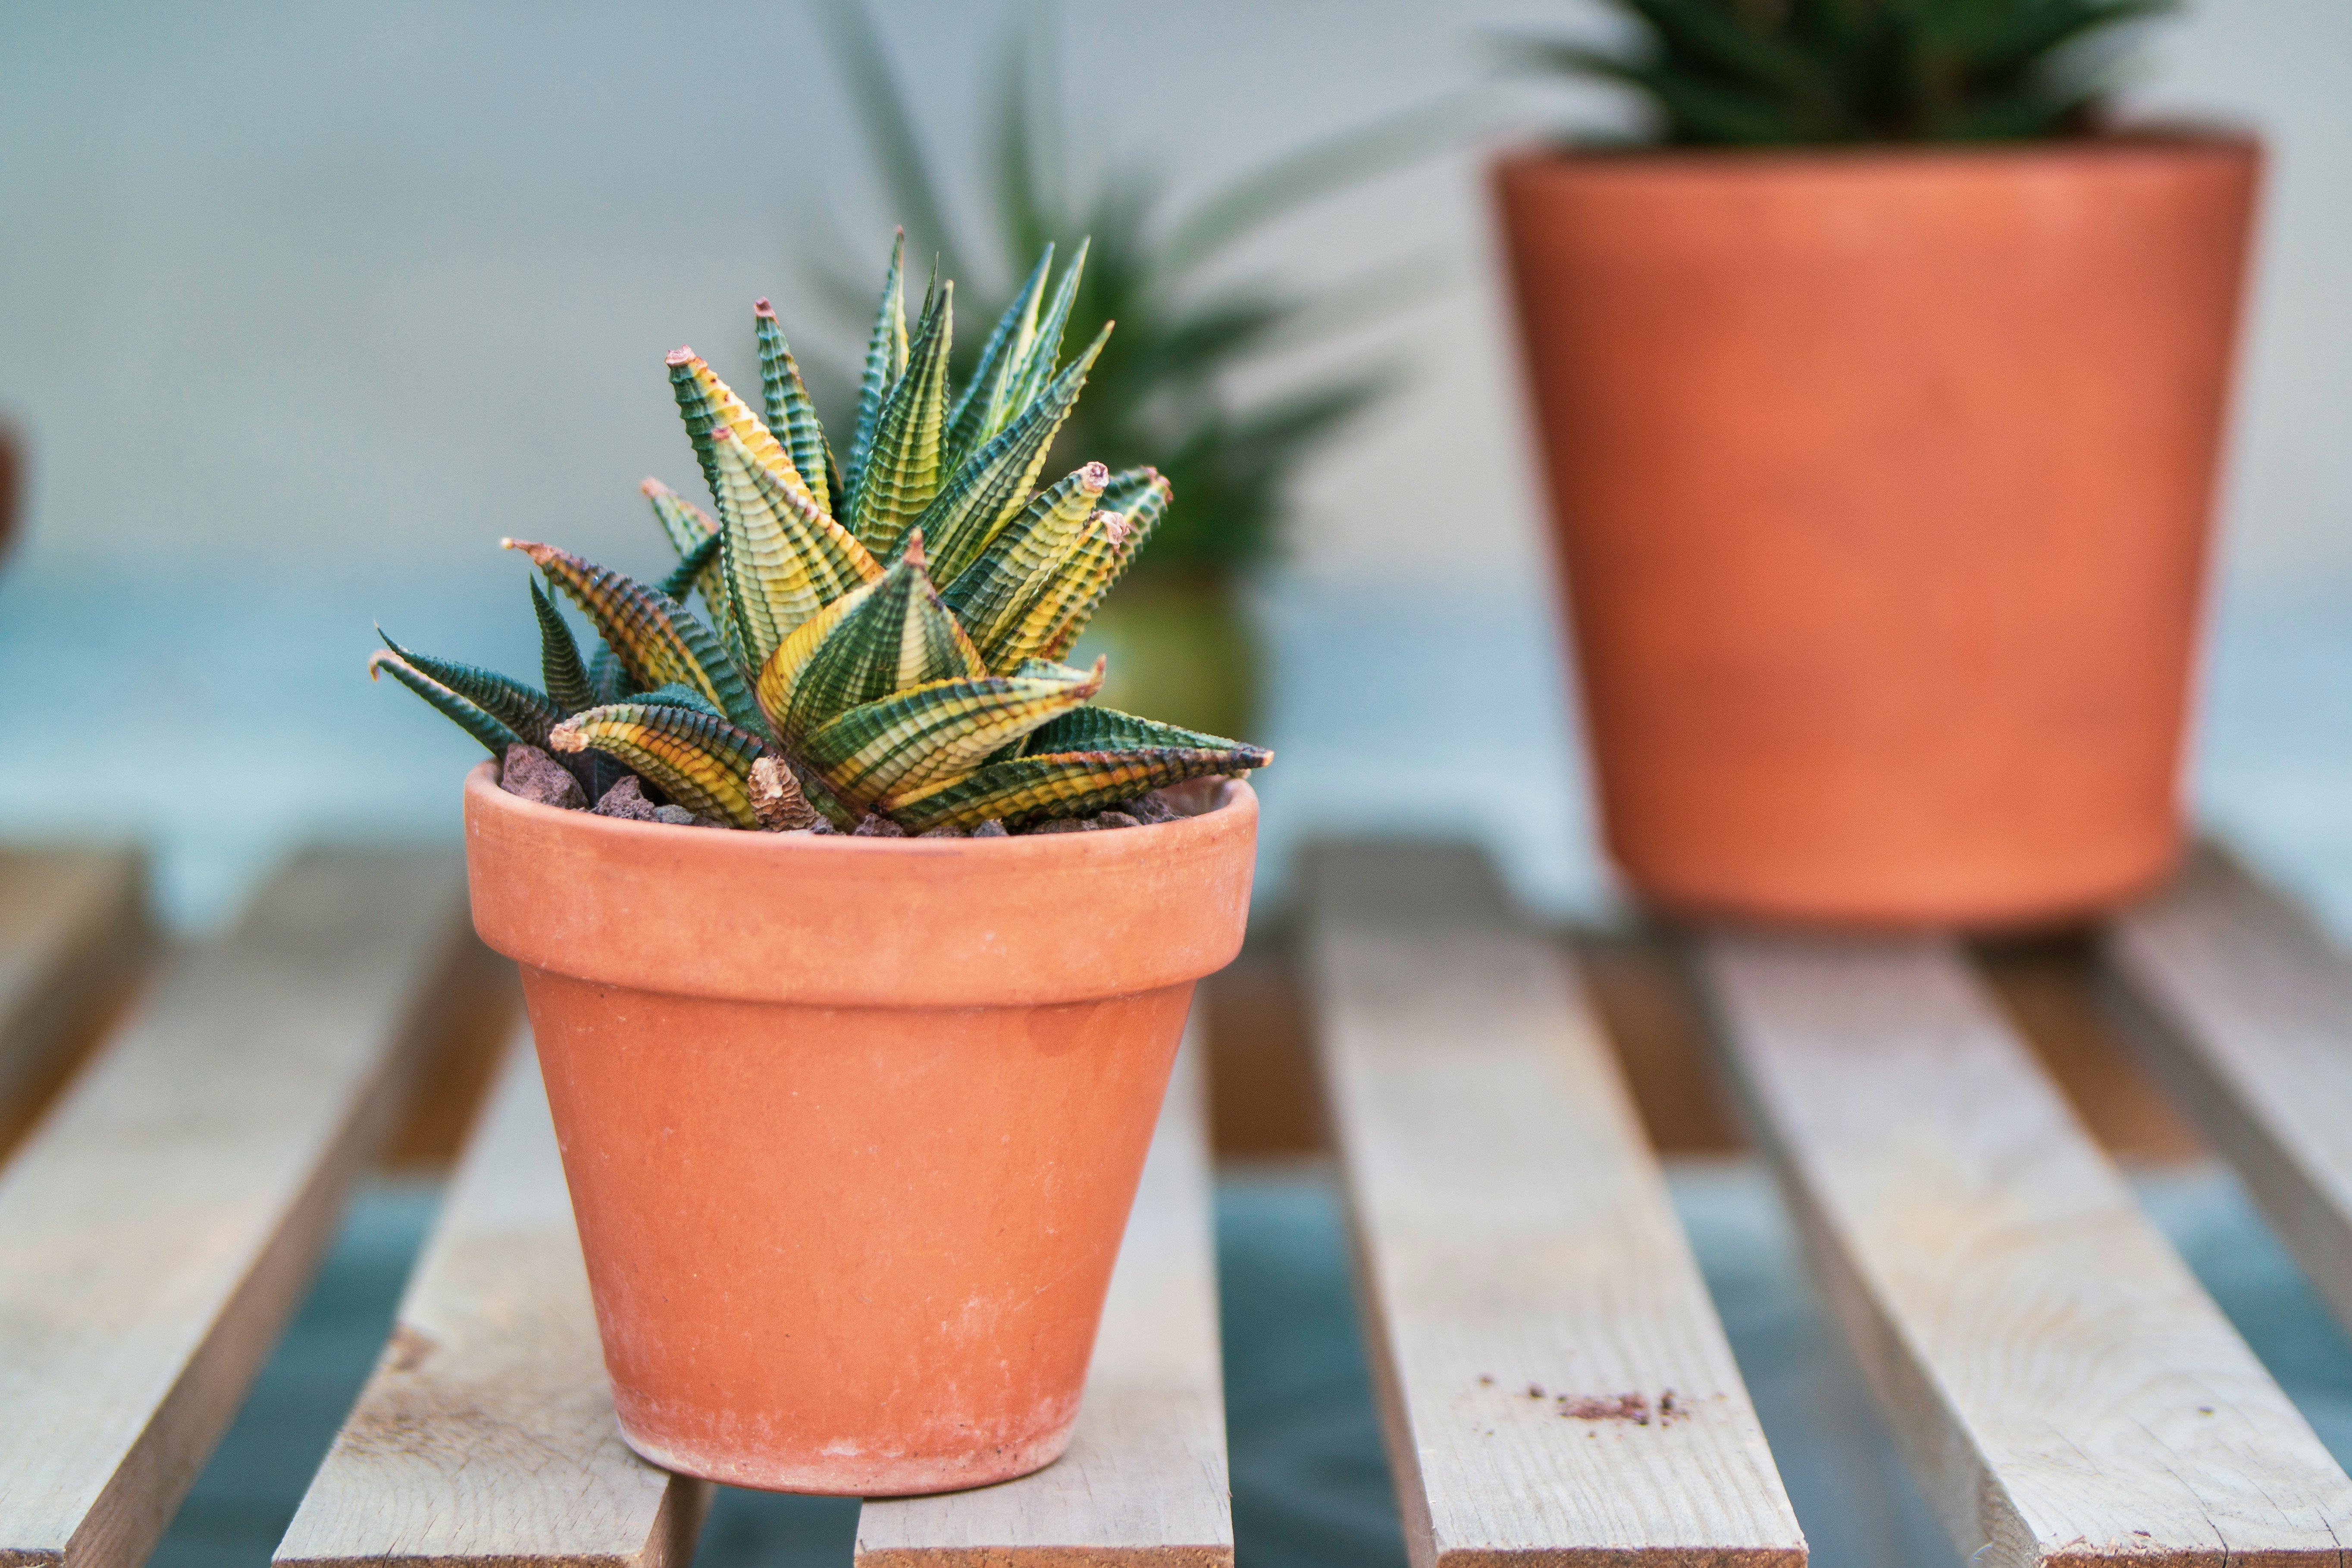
{"type": "Point", "coordinates": [1882, 483]}
{"type": "Point", "coordinates": [852, 1125]}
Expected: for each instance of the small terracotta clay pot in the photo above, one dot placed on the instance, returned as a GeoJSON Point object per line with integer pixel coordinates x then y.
{"type": "Point", "coordinates": [1882, 483]}
{"type": "Point", "coordinates": [852, 1125]}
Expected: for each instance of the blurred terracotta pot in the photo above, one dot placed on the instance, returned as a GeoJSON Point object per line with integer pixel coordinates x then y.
{"type": "Point", "coordinates": [1882, 484]}
{"type": "Point", "coordinates": [852, 1125]}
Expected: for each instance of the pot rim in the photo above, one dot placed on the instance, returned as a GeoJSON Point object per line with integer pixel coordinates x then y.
{"type": "Point", "coordinates": [2153, 143]}
{"type": "Point", "coordinates": [482, 778]}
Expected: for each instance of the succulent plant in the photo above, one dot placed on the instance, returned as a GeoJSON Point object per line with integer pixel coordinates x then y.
{"type": "Point", "coordinates": [884, 632]}
{"type": "Point", "coordinates": [1781, 72]}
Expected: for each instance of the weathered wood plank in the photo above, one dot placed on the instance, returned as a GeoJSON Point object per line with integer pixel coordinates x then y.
{"type": "Point", "coordinates": [2058, 1382]}
{"type": "Point", "coordinates": [2244, 1008]}
{"type": "Point", "coordinates": [73, 930]}
{"type": "Point", "coordinates": [485, 1433]}
{"type": "Point", "coordinates": [1555, 1386]}
{"type": "Point", "coordinates": [1145, 1482]}
{"type": "Point", "coordinates": [163, 1219]}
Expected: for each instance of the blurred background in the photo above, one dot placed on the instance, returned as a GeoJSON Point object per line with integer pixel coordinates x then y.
{"type": "Point", "coordinates": [304, 307]}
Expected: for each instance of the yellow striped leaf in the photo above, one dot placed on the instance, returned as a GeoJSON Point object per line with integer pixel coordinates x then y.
{"type": "Point", "coordinates": [986, 405]}
{"type": "Point", "coordinates": [990, 487]}
{"type": "Point", "coordinates": [783, 560]}
{"type": "Point", "coordinates": [902, 468]}
{"type": "Point", "coordinates": [780, 673]}
{"type": "Point", "coordinates": [652, 637]}
{"type": "Point", "coordinates": [1063, 783]}
{"type": "Point", "coordinates": [790, 415]}
{"type": "Point", "coordinates": [935, 732]}
{"type": "Point", "coordinates": [701, 762]}
{"type": "Point", "coordinates": [899, 637]}
{"type": "Point", "coordinates": [886, 362]}
{"type": "Point", "coordinates": [1143, 513]}
{"type": "Point", "coordinates": [1026, 626]}
{"type": "Point", "coordinates": [709, 406]}
{"type": "Point", "coordinates": [992, 592]}
{"type": "Point", "coordinates": [1039, 368]}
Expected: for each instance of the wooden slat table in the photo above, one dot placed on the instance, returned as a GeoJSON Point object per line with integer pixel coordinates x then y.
{"type": "Point", "coordinates": [73, 935]}
{"type": "Point", "coordinates": [2063, 1388]}
{"type": "Point", "coordinates": [1555, 1386]}
{"type": "Point", "coordinates": [2244, 1010]}
{"type": "Point", "coordinates": [163, 1219]}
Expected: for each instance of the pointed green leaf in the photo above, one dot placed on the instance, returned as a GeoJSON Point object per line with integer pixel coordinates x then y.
{"type": "Point", "coordinates": [1042, 623]}
{"type": "Point", "coordinates": [1092, 729]}
{"type": "Point", "coordinates": [687, 575]}
{"type": "Point", "coordinates": [897, 637]}
{"type": "Point", "coordinates": [935, 732]}
{"type": "Point", "coordinates": [1062, 784]}
{"type": "Point", "coordinates": [791, 415]}
{"type": "Point", "coordinates": [903, 468]}
{"type": "Point", "coordinates": [783, 560]}
{"type": "Point", "coordinates": [654, 639]}
{"type": "Point", "coordinates": [995, 482]}
{"type": "Point", "coordinates": [525, 709]}
{"type": "Point", "coordinates": [688, 529]}
{"type": "Point", "coordinates": [608, 681]}
{"type": "Point", "coordinates": [886, 360]}
{"type": "Point", "coordinates": [678, 694]}
{"type": "Point", "coordinates": [984, 407]}
{"type": "Point", "coordinates": [709, 405]}
{"type": "Point", "coordinates": [992, 592]}
{"type": "Point", "coordinates": [1038, 369]}
{"type": "Point", "coordinates": [560, 668]}
{"type": "Point", "coordinates": [700, 761]}
{"type": "Point", "coordinates": [492, 734]}
{"type": "Point", "coordinates": [781, 673]}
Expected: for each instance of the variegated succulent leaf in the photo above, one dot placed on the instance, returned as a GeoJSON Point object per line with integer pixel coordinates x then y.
{"type": "Point", "coordinates": [886, 360]}
{"type": "Point", "coordinates": [1142, 514]}
{"type": "Point", "coordinates": [654, 639]}
{"type": "Point", "coordinates": [782, 560]}
{"type": "Point", "coordinates": [708, 405]}
{"type": "Point", "coordinates": [790, 415]}
{"type": "Point", "coordinates": [1030, 626]}
{"type": "Point", "coordinates": [899, 637]}
{"type": "Point", "coordinates": [678, 694]}
{"type": "Point", "coordinates": [993, 590]}
{"type": "Point", "coordinates": [1079, 763]}
{"type": "Point", "coordinates": [524, 709]}
{"type": "Point", "coordinates": [990, 487]}
{"type": "Point", "coordinates": [495, 736]}
{"type": "Point", "coordinates": [608, 681]}
{"type": "Point", "coordinates": [903, 468]}
{"type": "Point", "coordinates": [1042, 365]}
{"type": "Point", "coordinates": [933, 734]}
{"type": "Point", "coordinates": [559, 667]}
{"type": "Point", "coordinates": [699, 759]}
{"type": "Point", "coordinates": [985, 406]}
{"type": "Point", "coordinates": [687, 575]}
{"type": "Point", "coordinates": [687, 529]}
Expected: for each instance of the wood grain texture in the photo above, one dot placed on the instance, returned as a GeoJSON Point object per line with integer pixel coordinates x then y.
{"type": "Point", "coordinates": [2061, 1385]}
{"type": "Point", "coordinates": [164, 1218]}
{"type": "Point", "coordinates": [2244, 1008]}
{"type": "Point", "coordinates": [73, 930]}
{"type": "Point", "coordinates": [486, 1434]}
{"type": "Point", "coordinates": [1555, 1386]}
{"type": "Point", "coordinates": [1144, 1482]}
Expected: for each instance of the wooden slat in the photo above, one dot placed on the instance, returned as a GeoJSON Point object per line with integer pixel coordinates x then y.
{"type": "Point", "coordinates": [1144, 1482]}
{"type": "Point", "coordinates": [485, 1433]}
{"type": "Point", "coordinates": [2244, 1009]}
{"type": "Point", "coordinates": [159, 1225]}
{"type": "Point", "coordinates": [73, 929]}
{"type": "Point", "coordinates": [2057, 1380]}
{"type": "Point", "coordinates": [1555, 1386]}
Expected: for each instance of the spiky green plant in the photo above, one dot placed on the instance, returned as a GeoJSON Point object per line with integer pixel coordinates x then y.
{"type": "Point", "coordinates": [927, 690]}
{"type": "Point", "coordinates": [1783, 72]}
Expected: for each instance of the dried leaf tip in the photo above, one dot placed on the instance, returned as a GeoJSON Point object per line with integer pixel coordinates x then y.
{"type": "Point", "coordinates": [761, 308]}
{"type": "Point", "coordinates": [654, 488]}
{"type": "Point", "coordinates": [379, 658]}
{"type": "Point", "coordinates": [678, 356]}
{"type": "Point", "coordinates": [565, 737]}
{"type": "Point", "coordinates": [1115, 525]}
{"type": "Point", "coordinates": [914, 557]}
{"type": "Point", "coordinates": [1095, 476]}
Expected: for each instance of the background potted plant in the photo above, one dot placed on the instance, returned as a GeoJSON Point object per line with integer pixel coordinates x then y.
{"type": "Point", "coordinates": [852, 1119]}
{"type": "Point", "coordinates": [1881, 407]}
{"type": "Point", "coordinates": [1164, 389]}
